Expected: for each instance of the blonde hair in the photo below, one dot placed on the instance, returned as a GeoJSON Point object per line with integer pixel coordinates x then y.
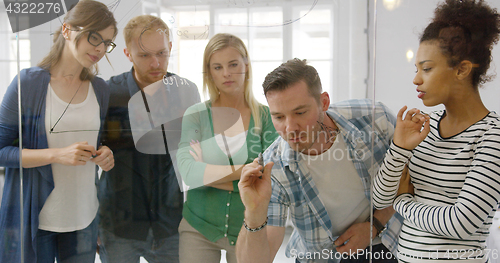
{"type": "Point", "coordinates": [219, 42]}
{"type": "Point", "coordinates": [90, 16]}
{"type": "Point", "coordinates": [144, 23]}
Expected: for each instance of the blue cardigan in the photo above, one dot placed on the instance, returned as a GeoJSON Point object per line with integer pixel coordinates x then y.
{"type": "Point", "coordinates": [38, 182]}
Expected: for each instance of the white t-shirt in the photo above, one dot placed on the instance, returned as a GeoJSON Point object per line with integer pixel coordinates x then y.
{"type": "Point", "coordinates": [73, 204]}
{"type": "Point", "coordinates": [233, 144]}
{"type": "Point", "coordinates": [339, 186]}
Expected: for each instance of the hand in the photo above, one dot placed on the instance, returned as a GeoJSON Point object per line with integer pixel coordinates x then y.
{"type": "Point", "coordinates": [357, 237]}
{"type": "Point", "coordinates": [255, 192]}
{"type": "Point", "coordinates": [104, 158]}
{"type": "Point", "coordinates": [409, 133]}
{"type": "Point", "coordinates": [405, 185]}
{"type": "Point", "coordinates": [197, 154]}
{"type": "Point", "coordinates": [78, 153]}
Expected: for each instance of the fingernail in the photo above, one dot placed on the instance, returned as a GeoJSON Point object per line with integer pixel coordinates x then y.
{"type": "Point", "coordinates": [197, 141]}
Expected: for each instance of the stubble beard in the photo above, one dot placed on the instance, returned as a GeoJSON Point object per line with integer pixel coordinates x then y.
{"type": "Point", "coordinates": [314, 135]}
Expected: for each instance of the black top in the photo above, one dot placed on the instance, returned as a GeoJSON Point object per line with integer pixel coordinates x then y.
{"type": "Point", "coordinates": [142, 190]}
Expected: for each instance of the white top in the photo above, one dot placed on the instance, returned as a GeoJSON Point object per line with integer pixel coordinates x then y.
{"type": "Point", "coordinates": [234, 143]}
{"type": "Point", "coordinates": [73, 204]}
{"type": "Point", "coordinates": [342, 191]}
{"type": "Point", "coordinates": [457, 182]}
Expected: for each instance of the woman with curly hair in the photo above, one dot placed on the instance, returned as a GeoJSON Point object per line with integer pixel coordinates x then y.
{"type": "Point", "coordinates": [450, 190]}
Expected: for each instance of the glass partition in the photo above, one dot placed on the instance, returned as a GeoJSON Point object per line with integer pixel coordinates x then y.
{"type": "Point", "coordinates": [122, 166]}
{"type": "Point", "coordinates": [405, 75]}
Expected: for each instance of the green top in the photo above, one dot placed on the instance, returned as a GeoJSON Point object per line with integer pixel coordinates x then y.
{"type": "Point", "coordinates": [216, 213]}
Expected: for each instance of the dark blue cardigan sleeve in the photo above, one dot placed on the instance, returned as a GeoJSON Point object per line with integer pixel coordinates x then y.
{"type": "Point", "coordinates": [9, 129]}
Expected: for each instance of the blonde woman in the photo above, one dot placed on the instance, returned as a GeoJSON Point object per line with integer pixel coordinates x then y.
{"type": "Point", "coordinates": [63, 105]}
{"type": "Point", "coordinates": [219, 136]}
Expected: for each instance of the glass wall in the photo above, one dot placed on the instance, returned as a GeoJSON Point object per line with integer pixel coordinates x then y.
{"type": "Point", "coordinates": [361, 49]}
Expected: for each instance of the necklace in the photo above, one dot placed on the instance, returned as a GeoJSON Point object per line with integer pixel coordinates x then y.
{"type": "Point", "coordinates": [65, 109]}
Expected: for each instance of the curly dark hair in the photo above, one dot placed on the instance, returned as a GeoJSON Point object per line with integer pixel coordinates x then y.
{"type": "Point", "coordinates": [466, 30]}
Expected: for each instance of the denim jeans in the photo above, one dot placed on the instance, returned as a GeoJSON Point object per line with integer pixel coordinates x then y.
{"type": "Point", "coordinates": [115, 249]}
{"type": "Point", "coordinates": [67, 247]}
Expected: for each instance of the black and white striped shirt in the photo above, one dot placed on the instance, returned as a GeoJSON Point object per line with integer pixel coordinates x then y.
{"type": "Point", "coordinates": [457, 191]}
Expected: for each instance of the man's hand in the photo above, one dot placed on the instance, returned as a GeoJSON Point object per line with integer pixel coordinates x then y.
{"type": "Point", "coordinates": [357, 237]}
{"type": "Point", "coordinates": [255, 192]}
{"type": "Point", "coordinates": [409, 133]}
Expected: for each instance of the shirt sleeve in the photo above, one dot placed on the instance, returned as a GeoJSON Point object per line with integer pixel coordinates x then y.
{"type": "Point", "coordinates": [479, 195]}
{"type": "Point", "coordinates": [277, 211]}
{"type": "Point", "coordinates": [9, 127]}
{"type": "Point", "coordinates": [192, 172]}
{"type": "Point", "coordinates": [386, 184]}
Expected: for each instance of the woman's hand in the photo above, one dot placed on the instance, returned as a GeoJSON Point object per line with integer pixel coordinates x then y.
{"type": "Point", "coordinates": [78, 153]}
{"type": "Point", "coordinates": [409, 132]}
{"type": "Point", "coordinates": [405, 185]}
{"type": "Point", "coordinates": [197, 154]}
{"type": "Point", "coordinates": [104, 158]}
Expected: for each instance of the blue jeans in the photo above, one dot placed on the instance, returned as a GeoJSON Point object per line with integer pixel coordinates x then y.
{"type": "Point", "coordinates": [115, 249]}
{"type": "Point", "coordinates": [67, 247]}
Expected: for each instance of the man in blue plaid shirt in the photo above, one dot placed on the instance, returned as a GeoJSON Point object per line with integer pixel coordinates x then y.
{"type": "Point", "coordinates": [320, 168]}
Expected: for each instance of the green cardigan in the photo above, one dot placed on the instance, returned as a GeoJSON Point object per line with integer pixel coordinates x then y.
{"type": "Point", "coordinates": [216, 213]}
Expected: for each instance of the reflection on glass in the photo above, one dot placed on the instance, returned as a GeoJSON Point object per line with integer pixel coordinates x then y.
{"type": "Point", "coordinates": [58, 107]}
{"type": "Point", "coordinates": [409, 55]}
{"type": "Point", "coordinates": [391, 4]}
{"type": "Point", "coordinates": [313, 32]}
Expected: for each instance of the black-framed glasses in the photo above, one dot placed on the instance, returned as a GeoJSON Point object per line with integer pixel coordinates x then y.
{"type": "Point", "coordinates": [95, 39]}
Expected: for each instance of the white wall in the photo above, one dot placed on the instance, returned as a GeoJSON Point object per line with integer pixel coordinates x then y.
{"type": "Point", "coordinates": [397, 32]}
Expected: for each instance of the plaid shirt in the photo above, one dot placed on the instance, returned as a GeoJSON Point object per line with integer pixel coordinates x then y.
{"type": "Point", "coordinates": [293, 186]}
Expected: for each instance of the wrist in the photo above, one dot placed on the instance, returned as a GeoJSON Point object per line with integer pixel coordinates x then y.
{"type": "Point", "coordinates": [374, 231]}
{"type": "Point", "coordinates": [53, 155]}
{"type": "Point", "coordinates": [254, 229]}
{"type": "Point", "coordinates": [377, 226]}
{"type": "Point", "coordinates": [254, 220]}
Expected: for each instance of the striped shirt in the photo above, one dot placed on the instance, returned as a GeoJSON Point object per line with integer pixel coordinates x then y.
{"type": "Point", "coordinates": [457, 191]}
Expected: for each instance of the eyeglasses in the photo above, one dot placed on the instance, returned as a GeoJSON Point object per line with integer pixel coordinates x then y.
{"type": "Point", "coordinates": [95, 40]}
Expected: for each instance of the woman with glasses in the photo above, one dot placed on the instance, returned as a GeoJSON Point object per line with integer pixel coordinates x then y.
{"type": "Point", "coordinates": [63, 105]}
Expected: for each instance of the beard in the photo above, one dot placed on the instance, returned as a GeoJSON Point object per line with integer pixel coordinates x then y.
{"type": "Point", "coordinates": [146, 77]}
{"type": "Point", "coordinates": [311, 135]}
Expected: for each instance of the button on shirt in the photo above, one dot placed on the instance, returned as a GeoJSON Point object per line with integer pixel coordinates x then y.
{"type": "Point", "coordinates": [216, 213]}
{"type": "Point", "coordinates": [294, 188]}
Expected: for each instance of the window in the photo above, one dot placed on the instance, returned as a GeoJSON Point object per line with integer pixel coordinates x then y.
{"type": "Point", "coordinates": [8, 51]}
{"type": "Point", "coordinates": [273, 32]}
